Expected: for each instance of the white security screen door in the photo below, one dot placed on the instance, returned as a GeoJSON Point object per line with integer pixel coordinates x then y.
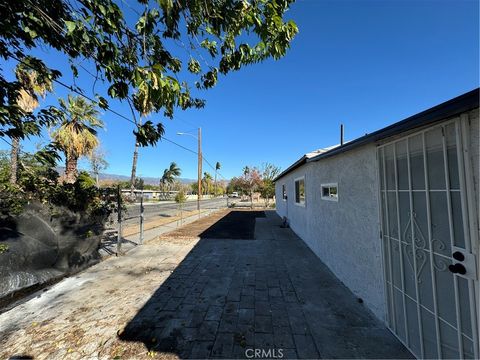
{"type": "Point", "coordinates": [427, 236]}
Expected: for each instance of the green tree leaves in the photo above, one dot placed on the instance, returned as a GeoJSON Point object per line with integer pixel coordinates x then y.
{"type": "Point", "coordinates": [142, 60]}
{"type": "Point", "coordinates": [194, 66]}
{"type": "Point", "coordinates": [148, 133]}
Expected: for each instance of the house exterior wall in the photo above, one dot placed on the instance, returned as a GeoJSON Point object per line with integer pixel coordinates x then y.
{"type": "Point", "coordinates": [343, 234]}
{"type": "Point", "coordinates": [474, 148]}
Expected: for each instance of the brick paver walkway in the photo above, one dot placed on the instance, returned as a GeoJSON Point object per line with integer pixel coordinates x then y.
{"type": "Point", "coordinates": [219, 298]}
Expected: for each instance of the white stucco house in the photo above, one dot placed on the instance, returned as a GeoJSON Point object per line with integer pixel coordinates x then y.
{"type": "Point", "coordinates": [395, 215]}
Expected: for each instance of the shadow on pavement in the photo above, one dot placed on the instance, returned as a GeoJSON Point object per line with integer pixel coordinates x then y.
{"type": "Point", "coordinates": [228, 297]}
{"type": "Point", "coordinates": [185, 313]}
{"type": "Point", "coordinates": [235, 225]}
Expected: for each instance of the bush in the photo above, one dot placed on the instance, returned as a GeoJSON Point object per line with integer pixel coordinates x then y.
{"type": "Point", "coordinates": [83, 196]}
{"type": "Point", "coordinates": [180, 197]}
{"type": "Point", "coordinates": [12, 199]}
{"type": "Point", "coordinates": [39, 182]}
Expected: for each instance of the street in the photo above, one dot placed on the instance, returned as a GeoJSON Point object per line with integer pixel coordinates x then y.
{"type": "Point", "coordinates": [153, 210]}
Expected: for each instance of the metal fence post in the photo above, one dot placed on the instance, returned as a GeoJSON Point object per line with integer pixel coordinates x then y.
{"type": "Point", "coordinates": [181, 214]}
{"type": "Point", "coordinates": [119, 210]}
{"type": "Point", "coordinates": [141, 217]}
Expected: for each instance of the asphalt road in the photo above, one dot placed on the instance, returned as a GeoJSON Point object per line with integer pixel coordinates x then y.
{"type": "Point", "coordinates": [166, 209]}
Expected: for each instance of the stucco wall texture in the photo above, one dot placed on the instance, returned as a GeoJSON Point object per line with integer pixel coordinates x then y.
{"type": "Point", "coordinates": [345, 235]}
{"type": "Point", "coordinates": [474, 147]}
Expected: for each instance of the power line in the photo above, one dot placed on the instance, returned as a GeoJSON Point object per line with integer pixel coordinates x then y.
{"type": "Point", "coordinates": [6, 141]}
{"type": "Point", "coordinates": [71, 88]}
{"type": "Point", "coordinates": [10, 144]}
{"type": "Point", "coordinates": [60, 30]}
{"type": "Point", "coordinates": [214, 169]}
{"type": "Point", "coordinates": [170, 141]}
{"type": "Point", "coordinates": [131, 8]}
{"type": "Point", "coordinates": [181, 146]}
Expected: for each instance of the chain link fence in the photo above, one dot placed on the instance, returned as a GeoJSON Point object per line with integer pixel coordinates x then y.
{"type": "Point", "coordinates": [134, 222]}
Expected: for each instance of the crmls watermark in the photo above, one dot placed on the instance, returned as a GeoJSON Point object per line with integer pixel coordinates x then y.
{"type": "Point", "coordinates": [264, 353]}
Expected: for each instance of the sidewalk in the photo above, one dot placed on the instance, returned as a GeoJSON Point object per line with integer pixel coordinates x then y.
{"type": "Point", "coordinates": [153, 229]}
{"type": "Point", "coordinates": [184, 295]}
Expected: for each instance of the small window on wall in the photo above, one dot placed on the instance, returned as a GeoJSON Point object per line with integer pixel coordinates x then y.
{"type": "Point", "coordinates": [284, 192]}
{"type": "Point", "coordinates": [300, 191]}
{"type": "Point", "coordinates": [330, 192]}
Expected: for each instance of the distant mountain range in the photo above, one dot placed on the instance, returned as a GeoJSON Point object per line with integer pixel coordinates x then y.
{"type": "Point", "coordinates": [115, 177]}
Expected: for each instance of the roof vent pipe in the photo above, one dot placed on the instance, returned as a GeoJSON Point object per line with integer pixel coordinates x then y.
{"type": "Point", "coordinates": [341, 134]}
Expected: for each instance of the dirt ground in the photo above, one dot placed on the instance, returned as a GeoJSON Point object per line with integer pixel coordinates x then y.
{"type": "Point", "coordinates": [194, 229]}
{"type": "Point", "coordinates": [224, 224]}
{"type": "Point", "coordinates": [132, 229]}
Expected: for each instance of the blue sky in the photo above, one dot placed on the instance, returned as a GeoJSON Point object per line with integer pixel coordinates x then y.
{"type": "Point", "coordinates": [365, 64]}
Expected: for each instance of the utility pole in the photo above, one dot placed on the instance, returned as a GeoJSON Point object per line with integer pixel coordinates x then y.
{"type": "Point", "coordinates": [199, 154]}
{"type": "Point", "coordinates": [199, 195]}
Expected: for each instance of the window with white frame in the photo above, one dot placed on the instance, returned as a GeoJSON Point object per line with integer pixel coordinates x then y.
{"type": "Point", "coordinates": [330, 192]}
{"type": "Point", "coordinates": [300, 191]}
{"type": "Point", "coordinates": [284, 192]}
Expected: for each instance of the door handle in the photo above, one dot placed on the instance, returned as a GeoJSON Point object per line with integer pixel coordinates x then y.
{"type": "Point", "coordinates": [457, 269]}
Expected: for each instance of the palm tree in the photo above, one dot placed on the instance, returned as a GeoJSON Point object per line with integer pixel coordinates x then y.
{"type": "Point", "coordinates": [77, 135]}
{"type": "Point", "coordinates": [174, 170]}
{"type": "Point", "coordinates": [164, 180]}
{"type": "Point", "coordinates": [207, 179]}
{"type": "Point", "coordinates": [31, 87]}
{"type": "Point", "coordinates": [217, 167]}
{"type": "Point", "coordinates": [169, 175]}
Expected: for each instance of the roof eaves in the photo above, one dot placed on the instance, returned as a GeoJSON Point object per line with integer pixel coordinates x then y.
{"type": "Point", "coordinates": [455, 106]}
{"type": "Point", "coordinates": [292, 167]}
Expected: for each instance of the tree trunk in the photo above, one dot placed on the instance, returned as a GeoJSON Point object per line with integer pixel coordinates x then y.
{"type": "Point", "coordinates": [70, 169]}
{"type": "Point", "coordinates": [134, 170]}
{"type": "Point", "coordinates": [96, 180]}
{"type": "Point", "coordinates": [14, 159]}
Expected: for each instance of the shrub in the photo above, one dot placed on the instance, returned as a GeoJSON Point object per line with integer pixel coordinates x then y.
{"type": "Point", "coordinates": [12, 199]}
{"type": "Point", "coordinates": [180, 197]}
{"type": "Point", "coordinates": [40, 182]}
{"type": "Point", "coordinates": [83, 197]}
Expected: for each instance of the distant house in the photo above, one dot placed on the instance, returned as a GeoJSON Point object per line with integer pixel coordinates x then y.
{"type": "Point", "coordinates": [394, 215]}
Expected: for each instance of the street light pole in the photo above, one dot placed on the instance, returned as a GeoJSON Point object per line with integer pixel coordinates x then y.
{"type": "Point", "coordinates": [199, 195]}
{"type": "Point", "coordinates": [200, 159]}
